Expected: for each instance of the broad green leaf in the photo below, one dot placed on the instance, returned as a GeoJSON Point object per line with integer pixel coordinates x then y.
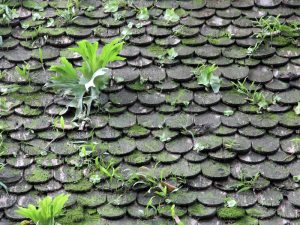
{"type": "Point", "coordinates": [171, 16]}
{"type": "Point", "coordinates": [297, 109]}
{"type": "Point", "coordinates": [143, 14]}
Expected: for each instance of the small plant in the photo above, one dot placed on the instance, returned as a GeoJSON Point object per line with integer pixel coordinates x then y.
{"type": "Point", "coordinates": [69, 14]}
{"type": "Point", "coordinates": [37, 16]}
{"type": "Point", "coordinates": [2, 165]}
{"type": "Point", "coordinates": [205, 76]}
{"type": "Point", "coordinates": [297, 109]}
{"type": "Point", "coordinates": [150, 206]}
{"type": "Point", "coordinates": [24, 72]}
{"type": "Point", "coordinates": [174, 216]}
{"type": "Point", "coordinates": [108, 168]}
{"type": "Point", "coordinates": [8, 14]}
{"type": "Point", "coordinates": [254, 96]}
{"type": "Point", "coordinates": [169, 54]}
{"type": "Point", "coordinates": [270, 27]}
{"type": "Point", "coordinates": [245, 184]}
{"type": "Point", "coordinates": [112, 6]}
{"type": "Point", "coordinates": [143, 13]}
{"type": "Point", "coordinates": [296, 178]}
{"type": "Point", "coordinates": [84, 84]}
{"type": "Point", "coordinates": [230, 144]}
{"type": "Point", "coordinates": [228, 112]}
{"type": "Point", "coordinates": [230, 202]}
{"type": "Point", "coordinates": [48, 209]}
{"type": "Point", "coordinates": [171, 16]}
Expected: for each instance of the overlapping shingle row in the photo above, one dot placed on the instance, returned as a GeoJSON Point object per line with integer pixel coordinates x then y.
{"type": "Point", "coordinates": [148, 100]}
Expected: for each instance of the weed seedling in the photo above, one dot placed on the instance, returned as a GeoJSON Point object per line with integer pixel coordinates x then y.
{"type": "Point", "coordinates": [8, 14]}
{"type": "Point", "coordinates": [254, 96]}
{"type": "Point", "coordinates": [2, 165]}
{"type": "Point", "coordinates": [245, 184]}
{"type": "Point", "coordinates": [174, 216]}
{"type": "Point", "coordinates": [205, 76]}
{"type": "Point", "coordinates": [270, 27]}
{"type": "Point", "coordinates": [143, 13]}
{"type": "Point", "coordinates": [24, 72]}
{"type": "Point", "coordinates": [171, 16]}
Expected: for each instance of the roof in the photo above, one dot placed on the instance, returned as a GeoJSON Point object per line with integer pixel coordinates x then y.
{"type": "Point", "coordinates": [156, 115]}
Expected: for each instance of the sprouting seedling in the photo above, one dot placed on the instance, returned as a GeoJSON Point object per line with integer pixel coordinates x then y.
{"type": "Point", "coordinates": [174, 216]}
{"type": "Point", "coordinates": [41, 58]}
{"type": "Point", "coordinates": [297, 109]}
{"type": "Point", "coordinates": [112, 6]}
{"type": "Point", "coordinates": [171, 16]}
{"type": "Point", "coordinates": [270, 27]}
{"type": "Point", "coordinates": [24, 72]}
{"type": "Point", "coordinates": [150, 206]}
{"type": "Point", "coordinates": [205, 76]}
{"type": "Point", "coordinates": [245, 184]}
{"type": "Point", "coordinates": [230, 202]}
{"type": "Point", "coordinates": [228, 112]}
{"type": "Point", "coordinates": [8, 14]}
{"type": "Point", "coordinates": [252, 94]}
{"type": "Point", "coordinates": [2, 165]}
{"type": "Point", "coordinates": [230, 144]}
{"type": "Point", "coordinates": [143, 13]}
{"type": "Point", "coordinates": [108, 169]}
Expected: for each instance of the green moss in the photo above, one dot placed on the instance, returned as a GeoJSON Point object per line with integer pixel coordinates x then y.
{"type": "Point", "coordinates": [189, 41]}
{"type": "Point", "coordinates": [38, 175]}
{"type": "Point", "coordinates": [280, 41]}
{"type": "Point", "coordinates": [246, 220]}
{"type": "Point", "coordinates": [181, 12]}
{"type": "Point", "coordinates": [72, 216]}
{"type": "Point", "coordinates": [31, 111]}
{"type": "Point", "coordinates": [231, 213]}
{"type": "Point", "coordinates": [156, 50]}
{"type": "Point", "coordinates": [137, 86]}
{"type": "Point", "coordinates": [81, 186]}
{"type": "Point", "coordinates": [137, 130]}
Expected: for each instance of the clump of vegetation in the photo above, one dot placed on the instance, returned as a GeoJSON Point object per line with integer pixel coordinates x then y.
{"type": "Point", "coordinates": [111, 6]}
{"type": "Point", "coordinates": [205, 76]}
{"type": "Point", "coordinates": [297, 109]}
{"type": "Point", "coordinates": [8, 14]}
{"type": "Point", "coordinates": [2, 185]}
{"type": "Point", "coordinates": [48, 209]}
{"type": "Point", "coordinates": [171, 16]}
{"type": "Point", "coordinates": [84, 84]}
{"type": "Point", "coordinates": [143, 13]}
{"type": "Point", "coordinates": [245, 184]}
{"type": "Point", "coordinates": [69, 14]}
{"type": "Point", "coordinates": [24, 72]}
{"type": "Point", "coordinates": [231, 213]}
{"type": "Point", "coordinates": [269, 27]}
{"type": "Point", "coordinates": [252, 94]}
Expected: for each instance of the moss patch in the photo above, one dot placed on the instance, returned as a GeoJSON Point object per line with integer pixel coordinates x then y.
{"type": "Point", "coordinates": [230, 213]}
{"type": "Point", "coordinates": [72, 216]}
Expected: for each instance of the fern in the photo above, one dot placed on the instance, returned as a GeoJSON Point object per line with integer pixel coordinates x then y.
{"type": "Point", "coordinates": [48, 209]}
{"type": "Point", "coordinates": [84, 84]}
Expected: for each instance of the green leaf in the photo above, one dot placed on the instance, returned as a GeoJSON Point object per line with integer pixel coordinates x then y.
{"type": "Point", "coordinates": [297, 109]}
{"type": "Point", "coordinates": [228, 112]}
{"type": "Point", "coordinates": [296, 178]}
{"type": "Point", "coordinates": [172, 54]}
{"type": "Point", "coordinates": [171, 16]}
{"type": "Point", "coordinates": [111, 6]}
{"type": "Point", "coordinates": [100, 72]}
{"type": "Point", "coordinates": [215, 83]}
{"type": "Point", "coordinates": [143, 14]}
